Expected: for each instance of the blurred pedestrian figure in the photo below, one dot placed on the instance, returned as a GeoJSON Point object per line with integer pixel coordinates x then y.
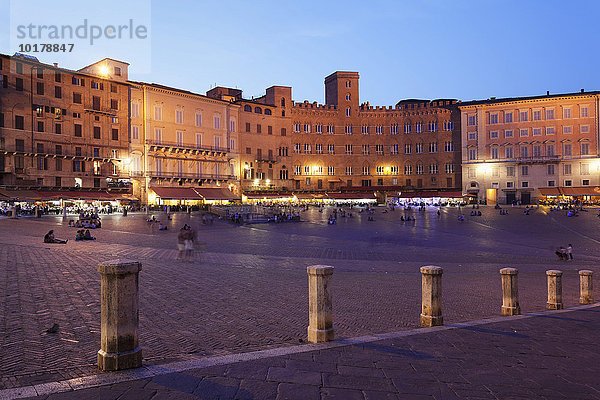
{"type": "Point", "coordinates": [569, 251]}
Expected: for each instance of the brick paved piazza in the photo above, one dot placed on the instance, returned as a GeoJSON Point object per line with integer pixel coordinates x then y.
{"type": "Point", "coordinates": [247, 287]}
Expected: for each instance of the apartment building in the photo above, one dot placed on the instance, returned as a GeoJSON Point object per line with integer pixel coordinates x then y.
{"type": "Point", "coordinates": [522, 149]}
{"type": "Point", "coordinates": [351, 146]}
{"type": "Point", "coordinates": [265, 126]}
{"type": "Point", "coordinates": [60, 128]}
{"type": "Point", "coordinates": [185, 141]}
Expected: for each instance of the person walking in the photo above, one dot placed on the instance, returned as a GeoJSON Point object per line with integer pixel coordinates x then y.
{"type": "Point", "coordinates": [570, 251]}
{"type": "Point", "coordinates": [181, 237]}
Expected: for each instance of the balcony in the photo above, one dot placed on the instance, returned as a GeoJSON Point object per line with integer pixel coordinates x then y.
{"type": "Point", "coordinates": [537, 159]}
{"type": "Point", "coordinates": [159, 145]}
{"type": "Point", "coordinates": [268, 159]}
{"type": "Point", "coordinates": [190, 176]}
{"type": "Point", "coordinates": [23, 151]}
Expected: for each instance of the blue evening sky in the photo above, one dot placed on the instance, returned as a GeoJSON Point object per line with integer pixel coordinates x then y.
{"type": "Point", "coordinates": [402, 49]}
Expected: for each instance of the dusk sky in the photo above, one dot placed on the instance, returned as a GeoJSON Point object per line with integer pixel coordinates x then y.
{"type": "Point", "coordinates": [402, 49]}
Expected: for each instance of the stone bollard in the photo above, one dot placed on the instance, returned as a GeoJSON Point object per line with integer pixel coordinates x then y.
{"type": "Point", "coordinates": [510, 292]}
{"type": "Point", "coordinates": [13, 212]}
{"type": "Point", "coordinates": [320, 320]}
{"type": "Point", "coordinates": [431, 296]}
{"type": "Point", "coordinates": [119, 347]}
{"type": "Point", "coordinates": [586, 287]}
{"type": "Point", "coordinates": [554, 290]}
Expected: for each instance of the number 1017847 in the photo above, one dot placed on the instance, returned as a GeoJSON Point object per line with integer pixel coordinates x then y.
{"type": "Point", "coordinates": [46, 47]}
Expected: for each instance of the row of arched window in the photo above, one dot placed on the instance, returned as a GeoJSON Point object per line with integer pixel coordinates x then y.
{"type": "Point", "coordinates": [257, 110]}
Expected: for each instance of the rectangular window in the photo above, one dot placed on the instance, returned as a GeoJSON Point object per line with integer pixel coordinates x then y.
{"type": "Point", "coordinates": [550, 130]}
{"type": "Point", "coordinates": [550, 150]}
{"type": "Point", "coordinates": [58, 92]}
{"type": "Point", "coordinates": [524, 184]}
{"type": "Point", "coordinates": [419, 169]}
{"type": "Point", "coordinates": [114, 104]}
{"type": "Point", "coordinates": [585, 169]}
{"type": "Point", "coordinates": [97, 134]}
{"type": "Point", "coordinates": [419, 148]}
{"type": "Point", "coordinates": [584, 129]}
{"type": "Point", "coordinates": [319, 149]}
{"type": "Point", "coordinates": [307, 148]}
{"type": "Point", "coordinates": [258, 128]}
{"type": "Point", "coordinates": [330, 170]}
{"type": "Point", "coordinates": [566, 169]}
{"type": "Point", "coordinates": [449, 168]}
{"type": "Point", "coordinates": [19, 122]}
{"type": "Point", "coordinates": [567, 130]}
{"type": "Point", "coordinates": [135, 133]}
{"type": "Point", "coordinates": [537, 150]}
{"type": "Point", "coordinates": [433, 147]}
{"type": "Point", "coordinates": [537, 115]}
{"type": "Point", "coordinates": [549, 114]}
{"type": "Point", "coordinates": [550, 169]}
{"type": "Point", "coordinates": [40, 88]}
{"type": "Point", "coordinates": [448, 147]}
{"type": "Point", "coordinates": [585, 149]}
{"type": "Point", "coordinates": [472, 154]}
{"type": "Point", "coordinates": [77, 98]}
{"type": "Point", "coordinates": [494, 152]}
{"type": "Point", "coordinates": [568, 183]}
{"type": "Point", "coordinates": [508, 152]}
{"type": "Point", "coordinates": [566, 112]}
{"type": "Point", "coordinates": [523, 116]}
{"type": "Point", "coordinates": [349, 149]}
{"type": "Point", "coordinates": [365, 170]}
{"type": "Point", "coordinates": [379, 149]}
{"type": "Point", "coordinates": [157, 113]}
{"type": "Point", "coordinates": [407, 149]}
{"type": "Point", "coordinates": [331, 149]}
{"type": "Point", "coordinates": [394, 149]}
{"type": "Point", "coordinates": [523, 132]}
{"type": "Point", "coordinates": [179, 116]}
{"type": "Point", "coordinates": [19, 84]}
{"type": "Point", "coordinates": [58, 128]}
{"type": "Point", "coordinates": [198, 140]}
{"type": "Point", "coordinates": [96, 152]}
{"type": "Point", "coordinates": [77, 131]}
{"type": "Point", "coordinates": [115, 134]}
{"type": "Point", "coordinates": [508, 117]}
{"type": "Point", "coordinates": [494, 135]}
{"type": "Point", "coordinates": [536, 131]}
{"type": "Point", "coordinates": [567, 149]}
{"type": "Point", "coordinates": [493, 119]}
{"type": "Point", "coordinates": [510, 171]}
{"type": "Point", "coordinates": [283, 132]}
{"type": "Point", "coordinates": [524, 170]}
{"type": "Point", "coordinates": [471, 120]}
{"type": "Point", "coordinates": [508, 133]}
{"type": "Point", "coordinates": [365, 149]}
{"type": "Point", "coordinates": [58, 164]}
{"type": "Point", "coordinates": [348, 170]}
{"type": "Point", "coordinates": [585, 182]}
{"type": "Point", "coordinates": [408, 169]}
{"type": "Point", "coordinates": [179, 138]}
{"type": "Point", "coordinates": [40, 126]}
{"type": "Point", "coordinates": [584, 112]}
{"type": "Point", "coordinates": [57, 76]}
{"type": "Point", "coordinates": [523, 151]}
{"type": "Point", "coordinates": [217, 122]}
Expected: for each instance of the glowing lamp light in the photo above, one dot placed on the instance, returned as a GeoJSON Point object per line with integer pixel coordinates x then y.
{"type": "Point", "coordinates": [103, 70]}
{"type": "Point", "coordinates": [484, 169]}
{"type": "Point", "coordinates": [268, 181]}
{"type": "Point", "coordinates": [256, 181]}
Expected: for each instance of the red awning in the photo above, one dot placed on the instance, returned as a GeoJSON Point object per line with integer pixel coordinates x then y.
{"type": "Point", "coordinates": [549, 191]}
{"type": "Point", "coordinates": [581, 191]}
{"type": "Point", "coordinates": [75, 195]}
{"type": "Point", "coordinates": [350, 196]}
{"type": "Point", "coordinates": [176, 193]}
{"type": "Point", "coordinates": [268, 196]}
{"type": "Point", "coordinates": [216, 194]}
{"type": "Point", "coordinates": [21, 195]}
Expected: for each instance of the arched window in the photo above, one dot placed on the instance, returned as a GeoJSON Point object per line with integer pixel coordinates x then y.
{"type": "Point", "coordinates": [283, 102]}
{"type": "Point", "coordinates": [267, 111]}
{"type": "Point", "coordinates": [247, 108]}
{"type": "Point", "coordinates": [257, 110]}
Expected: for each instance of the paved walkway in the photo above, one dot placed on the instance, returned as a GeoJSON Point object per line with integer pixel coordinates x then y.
{"type": "Point", "coordinates": [550, 355]}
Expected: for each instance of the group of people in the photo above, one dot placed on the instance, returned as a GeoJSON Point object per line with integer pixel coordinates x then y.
{"type": "Point", "coordinates": [565, 253]}
{"type": "Point", "coordinates": [84, 234]}
{"type": "Point", "coordinates": [49, 238]}
{"type": "Point", "coordinates": [185, 242]}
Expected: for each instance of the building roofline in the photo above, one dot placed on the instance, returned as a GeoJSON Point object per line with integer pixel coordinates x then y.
{"type": "Point", "coordinates": [183, 91]}
{"type": "Point", "coordinates": [511, 99]}
{"type": "Point", "coordinates": [105, 58]}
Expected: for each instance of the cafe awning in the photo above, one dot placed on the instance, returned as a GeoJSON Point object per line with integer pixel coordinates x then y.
{"type": "Point", "coordinates": [581, 191]}
{"type": "Point", "coordinates": [549, 191]}
{"type": "Point", "coordinates": [176, 193]}
{"type": "Point", "coordinates": [20, 195]}
{"type": "Point", "coordinates": [350, 196]}
{"type": "Point", "coordinates": [216, 194]}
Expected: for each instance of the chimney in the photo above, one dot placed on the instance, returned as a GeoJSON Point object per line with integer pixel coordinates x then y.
{"type": "Point", "coordinates": [547, 93]}
{"type": "Point", "coordinates": [56, 64]}
{"type": "Point", "coordinates": [582, 90]}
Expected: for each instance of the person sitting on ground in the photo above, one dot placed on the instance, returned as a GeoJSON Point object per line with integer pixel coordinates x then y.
{"type": "Point", "coordinates": [88, 236]}
{"type": "Point", "coordinates": [71, 223]}
{"type": "Point", "coordinates": [80, 235]}
{"type": "Point", "coordinates": [49, 238]}
{"type": "Point", "coordinates": [479, 213]}
{"type": "Point", "coordinates": [162, 227]}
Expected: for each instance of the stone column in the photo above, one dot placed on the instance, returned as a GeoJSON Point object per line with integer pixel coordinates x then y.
{"type": "Point", "coordinates": [431, 296]}
{"type": "Point", "coordinates": [586, 287]}
{"type": "Point", "coordinates": [510, 292]}
{"type": "Point", "coordinates": [65, 212]}
{"type": "Point", "coordinates": [119, 347]}
{"type": "Point", "coordinates": [320, 320]}
{"type": "Point", "coordinates": [554, 290]}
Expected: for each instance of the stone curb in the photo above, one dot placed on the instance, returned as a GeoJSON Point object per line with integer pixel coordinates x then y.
{"type": "Point", "coordinates": [180, 366]}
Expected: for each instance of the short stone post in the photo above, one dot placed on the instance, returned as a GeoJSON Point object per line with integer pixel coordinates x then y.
{"type": "Point", "coordinates": [510, 292]}
{"type": "Point", "coordinates": [13, 212]}
{"type": "Point", "coordinates": [554, 290]}
{"type": "Point", "coordinates": [431, 296]}
{"type": "Point", "coordinates": [586, 287]}
{"type": "Point", "coordinates": [119, 320]}
{"type": "Point", "coordinates": [320, 319]}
